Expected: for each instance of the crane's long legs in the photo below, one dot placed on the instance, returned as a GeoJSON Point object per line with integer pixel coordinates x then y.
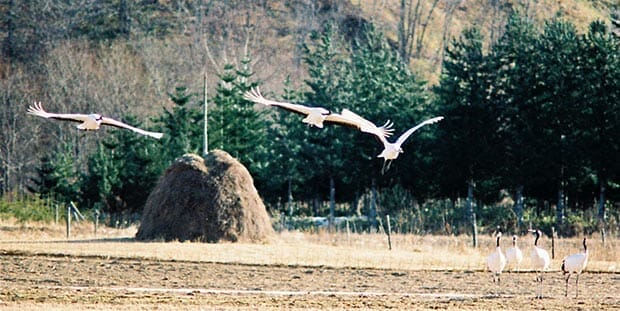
{"type": "Point", "coordinates": [577, 284]}
{"type": "Point", "coordinates": [385, 168]}
{"type": "Point", "coordinates": [539, 279]}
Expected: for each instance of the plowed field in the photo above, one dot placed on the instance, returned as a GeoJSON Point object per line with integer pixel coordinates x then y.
{"type": "Point", "coordinates": [48, 282]}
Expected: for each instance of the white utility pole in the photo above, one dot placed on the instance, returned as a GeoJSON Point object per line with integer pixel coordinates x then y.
{"type": "Point", "coordinates": [205, 146]}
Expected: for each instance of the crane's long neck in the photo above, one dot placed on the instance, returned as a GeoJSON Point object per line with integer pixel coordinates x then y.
{"type": "Point", "coordinates": [514, 241]}
{"type": "Point", "coordinates": [497, 245]}
{"type": "Point", "coordinates": [585, 246]}
{"type": "Point", "coordinates": [536, 240]}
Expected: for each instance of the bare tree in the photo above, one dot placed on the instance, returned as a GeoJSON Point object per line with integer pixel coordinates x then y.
{"type": "Point", "coordinates": [407, 23]}
{"type": "Point", "coordinates": [424, 25]}
{"type": "Point", "coordinates": [451, 6]}
{"type": "Point", "coordinates": [412, 27]}
{"type": "Point", "coordinates": [15, 132]}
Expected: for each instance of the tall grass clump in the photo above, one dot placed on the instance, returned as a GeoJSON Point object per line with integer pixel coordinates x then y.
{"type": "Point", "coordinates": [24, 208]}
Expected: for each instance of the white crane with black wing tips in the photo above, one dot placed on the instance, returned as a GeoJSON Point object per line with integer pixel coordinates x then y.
{"type": "Point", "coordinates": [87, 121]}
{"type": "Point", "coordinates": [575, 263]}
{"type": "Point", "coordinates": [316, 116]}
{"type": "Point", "coordinates": [540, 261]}
{"type": "Point", "coordinates": [496, 261]}
{"type": "Point", "coordinates": [514, 255]}
{"type": "Point", "coordinates": [391, 150]}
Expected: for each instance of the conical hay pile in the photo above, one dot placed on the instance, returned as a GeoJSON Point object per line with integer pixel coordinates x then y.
{"type": "Point", "coordinates": [207, 200]}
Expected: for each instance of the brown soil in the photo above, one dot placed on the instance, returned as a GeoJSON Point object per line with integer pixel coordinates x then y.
{"type": "Point", "coordinates": [55, 282]}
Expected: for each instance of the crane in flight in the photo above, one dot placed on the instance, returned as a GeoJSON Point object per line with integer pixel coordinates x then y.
{"type": "Point", "coordinates": [390, 150]}
{"type": "Point", "coordinates": [316, 116]}
{"type": "Point", "coordinates": [87, 121]}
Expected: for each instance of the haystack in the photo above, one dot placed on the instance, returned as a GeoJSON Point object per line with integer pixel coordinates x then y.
{"type": "Point", "coordinates": [208, 200]}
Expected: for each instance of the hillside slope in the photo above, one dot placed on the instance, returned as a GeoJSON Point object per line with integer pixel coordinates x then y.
{"type": "Point", "coordinates": [450, 17]}
{"type": "Point", "coordinates": [275, 30]}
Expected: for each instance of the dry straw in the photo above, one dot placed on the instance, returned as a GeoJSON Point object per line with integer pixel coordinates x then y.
{"type": "Point", "coordinates": [409, 252]}
{"type": "Point", "coordinates": [206, 200]}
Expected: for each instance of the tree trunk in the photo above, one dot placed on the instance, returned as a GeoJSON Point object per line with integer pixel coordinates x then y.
{"type": "Point", "coordinates": [289, 197]}
{"type": "Point", "coordinates": [402, 37]}
{"type": "Point", "coordinates": [472, 213]}
{"type": "Point", "coordinates": [560, 209]}
{"type": "Point", "coordinates": [373, 207]}
{"type": "Point", "coordinates": [205, 128]}
{"type": "Point", "coordinates": [420, 38]}
{"type": "Point", "coordinates": [559, 221]}
{"type": "Point", "coordinates": [407, 23]}
{"type": "Point", "coordinates": [601, 211]}
{"type": "Point", "coordinates": [445, 38]}
{"type": "Point", "coordinates": [601, 204]}
{"type": "Point", "coordinates": [332, 202]}
{"type": "Point", "coordinates": [8, 45]}
{"type": "Point", "coordinates": [315, 207]}
{"type": "Point", "coordinates": [518, 207]}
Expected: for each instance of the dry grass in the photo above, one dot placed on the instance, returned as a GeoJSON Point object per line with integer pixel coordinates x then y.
{"type": "Point", "coordinates": [409, 252]}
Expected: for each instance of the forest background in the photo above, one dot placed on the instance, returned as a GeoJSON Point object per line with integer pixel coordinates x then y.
{"type": "Point", "coordinates": [529, 91]}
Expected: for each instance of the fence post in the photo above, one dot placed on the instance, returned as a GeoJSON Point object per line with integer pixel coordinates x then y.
{"type": "Point", "coordinates": [552, 242]}
{"type": "Point", "coordinates": [76, 212]}
{"type": "Point", "coordinates": [68, 221]}
{"type": "Point", "coordinates": [96, 221]}
{"type": "Point", "coordinates": [472, 212]}
{"type": "Point", "coordinates": [389, 230]}
{"type": "Point", "coordinates": [348, 232]}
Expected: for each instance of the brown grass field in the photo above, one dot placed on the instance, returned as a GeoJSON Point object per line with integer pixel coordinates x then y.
{"type": "Point", "coordinates": [42, 270]}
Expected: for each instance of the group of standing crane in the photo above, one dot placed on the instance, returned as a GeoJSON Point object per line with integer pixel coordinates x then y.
{"type": "Point", "coordinates": [540, 260]}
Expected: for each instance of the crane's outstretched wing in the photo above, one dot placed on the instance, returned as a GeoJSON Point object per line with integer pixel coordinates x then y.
{"type": "Point", "coordinates": [382, 132]}
{"type": "Point", "coordinates": [37, 110]}
{"type": "Point", "coordinates": [112, 122]}
{"type": "Point", "coordinates": [254, 95]}
{"type": "Point", "coordinates": [410, 131]}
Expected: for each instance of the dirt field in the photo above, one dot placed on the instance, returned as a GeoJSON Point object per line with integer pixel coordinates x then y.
{"type": "Point", "coordinates": [40, 269]}
{"type": "Point", "coordinates": [57, 282]}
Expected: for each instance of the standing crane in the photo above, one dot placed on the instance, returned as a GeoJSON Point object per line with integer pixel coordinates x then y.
{"type": "Point", "coordinates": [575, 263]}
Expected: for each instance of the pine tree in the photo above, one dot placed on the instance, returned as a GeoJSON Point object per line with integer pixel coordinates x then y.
{"type": "Point", "coordinates": [467, 134]}
{"type": "Point", "coordinates": [122, 172]}
{"type": "Point", "coordinates": [599, 110]}
{"type": "Point", "coordinates": [515, 72]}
{"type": "Point", "coordinates": [383, 88]}
{"type": "Point", "coordinates": [236, 126]}
{"type": "Point", "coordinates": [101, 180]}
{"type": "Point", "coordinates": [557, 101]}
{"type": "Point", "coordinates": [326, 149]}
{"type": "Point", "coordinates": [282, 177]}
{"type": "Point", "coordinates": [182, 129]}
{"type": "Point", "coordinates": [58, 177]}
